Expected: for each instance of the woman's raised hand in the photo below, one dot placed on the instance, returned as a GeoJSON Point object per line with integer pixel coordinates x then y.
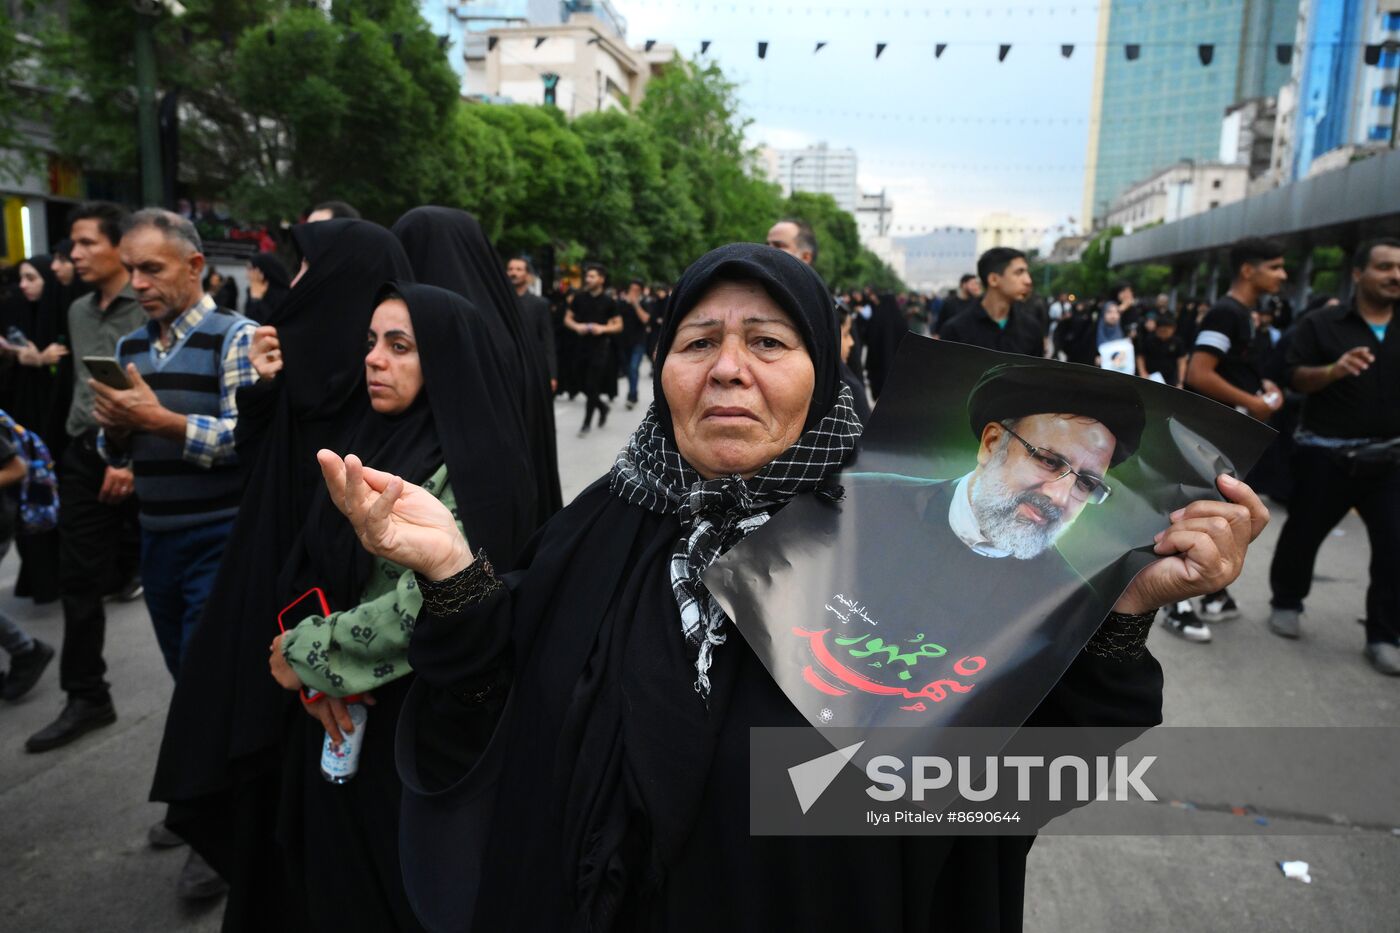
{"type": "Point", "coordinates": [1203, 550]}
{"type": "Point", "coordinates": [395, 520]}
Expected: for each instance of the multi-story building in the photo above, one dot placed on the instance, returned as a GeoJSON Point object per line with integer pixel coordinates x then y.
{"type": "Point", "coordinates": [1178, 191]}
{"type": "Point", "coordinates": [1342, 99]}
{"type": "Point", "coordinates": [1247, 134]}
{"type": "Point", "coordinates": [817, 169]}
{"type": "Point", "coordinates": [1164, 105]}
{"type": "Point", "coordinates": [580, 66]}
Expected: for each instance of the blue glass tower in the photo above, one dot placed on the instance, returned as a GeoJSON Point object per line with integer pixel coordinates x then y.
{"type": "Point", "coordinates": [1165, 106]}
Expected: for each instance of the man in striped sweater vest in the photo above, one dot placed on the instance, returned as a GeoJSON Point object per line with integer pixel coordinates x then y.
{"type": "Point", "coordinates": [174, 425]}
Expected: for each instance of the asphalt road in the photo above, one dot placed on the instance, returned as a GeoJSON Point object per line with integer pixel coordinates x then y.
{"type": "Point", "coordinates": [73, 822]}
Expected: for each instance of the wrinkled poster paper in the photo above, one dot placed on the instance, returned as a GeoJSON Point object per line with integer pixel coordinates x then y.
{"type": "Point", "coordinates": [875, 611]}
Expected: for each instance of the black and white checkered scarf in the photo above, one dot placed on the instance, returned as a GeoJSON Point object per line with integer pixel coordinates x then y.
{"type": "Point", "coordinates": [716, 514]}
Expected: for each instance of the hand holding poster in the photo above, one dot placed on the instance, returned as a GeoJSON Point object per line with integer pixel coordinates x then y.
{"type": "Point", "coordinates": [1118, 356]}
{"type": "Point", "coordinates": [998, 508]}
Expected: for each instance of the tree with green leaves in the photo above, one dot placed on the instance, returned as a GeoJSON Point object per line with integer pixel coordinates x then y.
{"type": "Point", "coordinates": [555, 174]}
{"type": "Point", "coordinates": [694, 111]}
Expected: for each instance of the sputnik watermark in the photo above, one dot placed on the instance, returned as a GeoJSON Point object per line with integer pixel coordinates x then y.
{"type": "Point", "coordinates": [933, 772]}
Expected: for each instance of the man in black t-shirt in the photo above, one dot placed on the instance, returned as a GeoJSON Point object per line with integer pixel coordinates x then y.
{"type": "Point", "coordinates": [1346, 360]}
{"type": "Point", "coordinates": [1000, 320]}
{"type": "Point", "coordinates": [1227, 364]}
{"type": "Point", "coordinates": [967, 296]}
{"type": "Point", "coordinates": [594, 317]}
{"type": "Point", "coordinates": [635, 318]}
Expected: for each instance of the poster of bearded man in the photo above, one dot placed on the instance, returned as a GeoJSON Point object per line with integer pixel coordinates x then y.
{"type": "Point", "coordinates": [997, 508]}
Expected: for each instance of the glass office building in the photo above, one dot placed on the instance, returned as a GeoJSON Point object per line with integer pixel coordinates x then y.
{"type": "Point", "coordinates": [1343, 100]}
{"type": "Point", "coordinates": [1164, 106]}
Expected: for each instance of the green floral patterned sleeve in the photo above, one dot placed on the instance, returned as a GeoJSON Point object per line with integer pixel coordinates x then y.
{"type": "Point", "coordinates": [358, 649]}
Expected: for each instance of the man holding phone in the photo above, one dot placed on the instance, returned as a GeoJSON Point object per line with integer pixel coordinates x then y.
{"type": "Point", "coordinates": [174, 420]}
{"type": "Point", "coordinates": [94, 497]}
{"type": "Point", "coordinates": [174, 423]}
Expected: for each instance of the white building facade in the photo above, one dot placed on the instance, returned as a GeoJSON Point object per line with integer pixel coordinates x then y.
{"type": "Point", "coordinates": [1179, 191]}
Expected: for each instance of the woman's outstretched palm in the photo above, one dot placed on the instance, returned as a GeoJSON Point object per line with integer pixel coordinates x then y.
{"type": "Point", "coordinates": [395, 520]}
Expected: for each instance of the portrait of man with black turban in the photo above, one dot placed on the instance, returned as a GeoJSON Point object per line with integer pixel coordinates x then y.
{"type": "Point", "coordinates": [1046, 441]}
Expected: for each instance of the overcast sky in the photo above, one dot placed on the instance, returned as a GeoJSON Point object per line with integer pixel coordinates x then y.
{"type": "Point", "coordinates": [950, 139]}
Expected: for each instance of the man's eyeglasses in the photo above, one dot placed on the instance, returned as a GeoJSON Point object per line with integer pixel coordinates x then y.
{"type": "Point", "coordinates": [1087, 487]}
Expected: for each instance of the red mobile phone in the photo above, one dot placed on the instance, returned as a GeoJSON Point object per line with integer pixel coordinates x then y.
{"type": "Point", "coordinates": [320, 605]}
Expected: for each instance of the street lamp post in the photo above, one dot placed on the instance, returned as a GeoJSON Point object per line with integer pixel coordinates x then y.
{"type": "Point", "coordinates": [146, 13]}
{"type": "Point", "coordinates": [792, 175]}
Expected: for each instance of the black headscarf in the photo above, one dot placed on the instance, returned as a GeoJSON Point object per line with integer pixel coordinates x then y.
{"type": "Point", "coordinates": [227, 716]}
{"type": "Point", "coordinates": [38, 396]}
{"type": "Point", "coordinates": [448, 248]}
{"type": "Point", "coordinates": [794, 285]}
{"type": "Point", "coordinates": [605, 752]}
{"type": "Point", "coordinates": [464, 417]}
{"type": "Point", "coordinates": [41, 321]}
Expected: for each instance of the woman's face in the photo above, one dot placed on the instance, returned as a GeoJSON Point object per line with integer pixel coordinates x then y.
{"type": "Point", "coordinates": [392, 366]}
{"type": "Point", "coordinates": [31, 283]}
{"type": "Point", "coordinates": [255, 276]}
{"type": "Point", "coordinates": [62, 268]}
{"type": "Point", "coordinates": [216, 281]}
{"type": "Point", "coordinates": [738, 380]}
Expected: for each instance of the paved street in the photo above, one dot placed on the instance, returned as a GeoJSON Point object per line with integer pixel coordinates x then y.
{"type": "Point", "coordinates": [73, 822]}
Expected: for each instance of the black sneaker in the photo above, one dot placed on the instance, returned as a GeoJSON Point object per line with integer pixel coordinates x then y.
{"type": "Point", "coordinates": [1219, 607]}
{"type": "Point", "coordinates": [1182, 620]}
{"type": "Point", "coordinates": [127, 594]}
{"type": "Point", "coordinates": [603, 415]}
{"type": "Point", "coordinates": [26, 669]}
{"type": "Point", "coordinates": [79, 717]}
{"type": "Point", "coordinates": [583, 431]}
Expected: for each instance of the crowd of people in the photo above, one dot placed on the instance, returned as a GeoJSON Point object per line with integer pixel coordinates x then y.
{"type": "Point", "coordinates": [343, 496]}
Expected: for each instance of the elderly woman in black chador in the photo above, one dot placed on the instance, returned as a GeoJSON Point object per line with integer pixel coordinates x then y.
{"type": "Point", "coordinates": [575, 748]}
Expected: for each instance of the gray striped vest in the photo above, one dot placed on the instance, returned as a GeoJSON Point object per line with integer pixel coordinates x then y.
{"type": "Point", "coordinates": [175, 494]}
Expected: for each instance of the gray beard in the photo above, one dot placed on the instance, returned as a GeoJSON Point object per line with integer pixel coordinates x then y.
{"type": "Point", "coordinates": [994, 506]}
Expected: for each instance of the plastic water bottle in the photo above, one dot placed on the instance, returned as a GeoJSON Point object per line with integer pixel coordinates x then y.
{"type": "Point", "coordinates": [339, 763]}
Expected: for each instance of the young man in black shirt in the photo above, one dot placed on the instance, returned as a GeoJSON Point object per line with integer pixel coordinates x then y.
{"type": "Point", "coordinates": [1000, 321]}
{"type": "Point", "coordinates": [635, 318]}
{"type": "Point", "coordinates": [1346, 359]}
{"type": "Point", "coordinates": [1227, 364]}
{"type": "Point", "coordinates": [595, 317]}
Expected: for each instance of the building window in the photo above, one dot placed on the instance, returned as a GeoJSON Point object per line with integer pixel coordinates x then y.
{"type": "Point", "coordinates": [1390, 58]}
{"type": "Point", "coordinates": [1214, 205]}
{"type": "Point", "coordinates": [1379, 134]}
{"type": "Point", "coordinates": [1384, 97]}
{"type": "Point", "coordinates": [1216, 183]}
{"type": "Point", "coordinates": [1392, 22]}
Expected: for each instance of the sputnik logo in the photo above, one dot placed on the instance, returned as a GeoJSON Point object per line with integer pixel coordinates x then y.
{"type": "Point", "coordinates": [811, 778]}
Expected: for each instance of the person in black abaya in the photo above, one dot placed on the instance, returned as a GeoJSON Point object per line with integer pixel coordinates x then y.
{"type": "Point", "coordinates": [444, 419]}
{"type": "Point", "coordinates": [575, 747]}
{"type": "Point", "coordinates": [36, 391]}
{"type": "Point", "coordinates": [268, 286]}
{"type": "Point", "coordinates": [885, 329]}
{"type": "Point", "coordinates": [221, 755]}
{"type": "Point", "coordinates": [223, 289]}
{"type": "Point", "coordinates": [448, 248]}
